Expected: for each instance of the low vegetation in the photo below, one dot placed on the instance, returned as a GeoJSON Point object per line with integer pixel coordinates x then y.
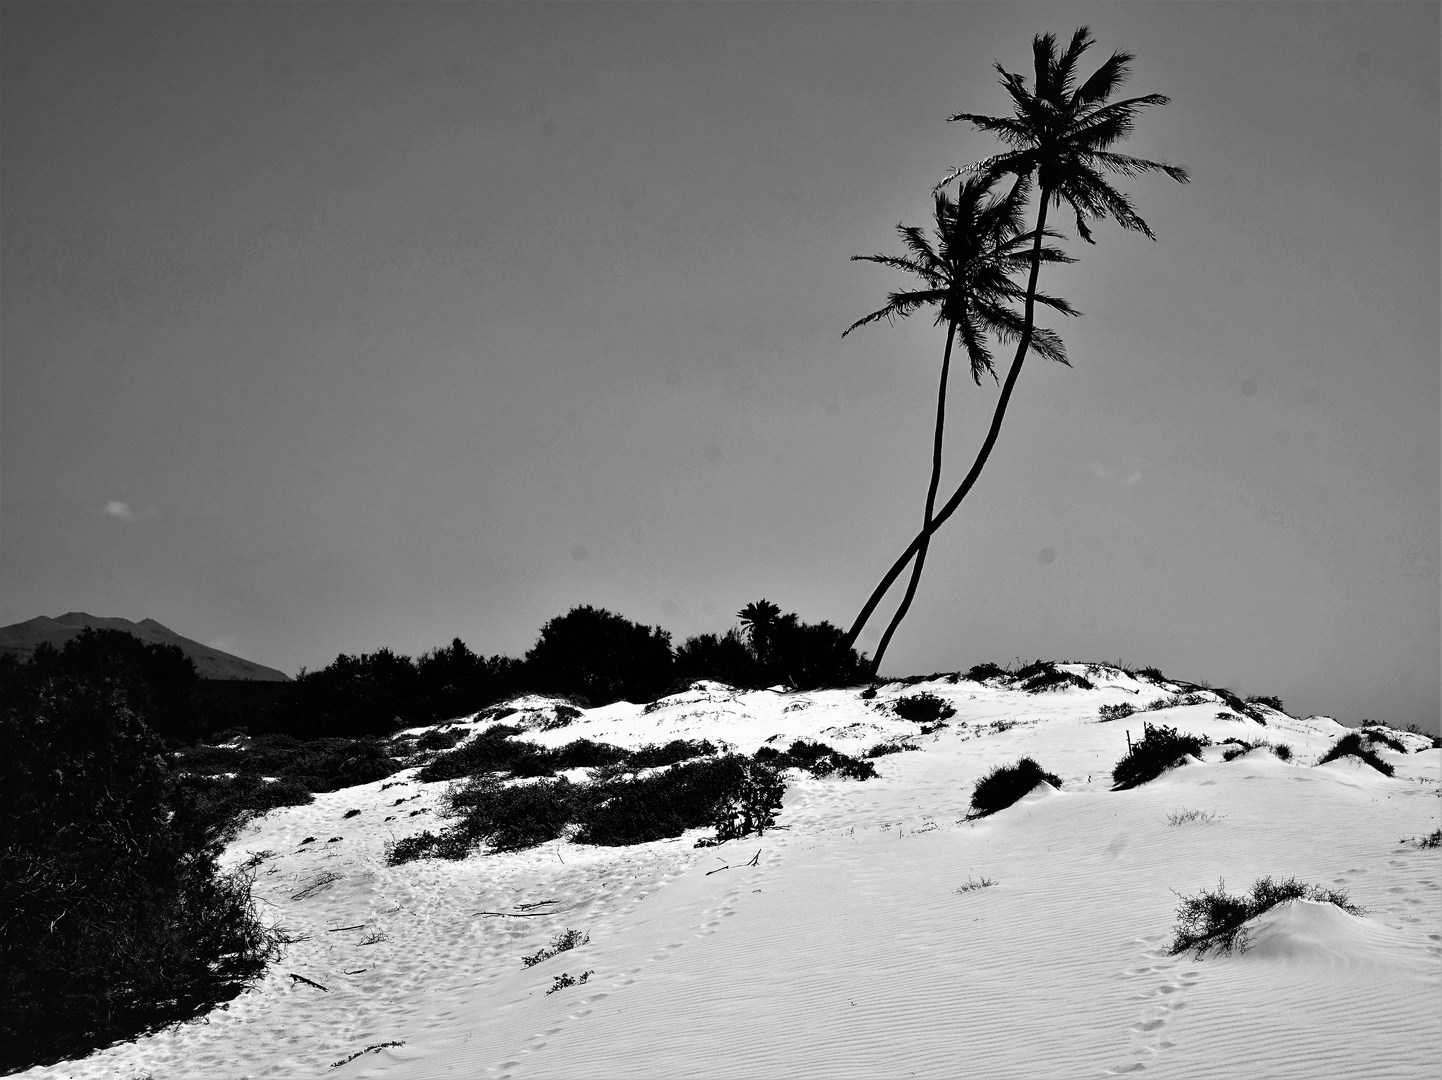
{"type": "Point", "coordinates": [923, 708]}
{"type": "Point", "coordinates": [731, 793]}
{"type": "Point", "coordinates": [1158, 749]}
{"type": "Point", "coordinates": [1358, 744]}
{"type": "Point", "coordinates": [1216, 921]}
{"type": "Point", "coordinates": [1005, 784]}
{"type": "Point", "coordinates": [1116, 712]}
{"type": "Point", "coordinates": [115, 919]}
{"type": "Point", "coordinates": [563, 942]}
{"type": "Point", "coordinates": [818, 759]}
{"type": "Point", "coordinates": [1044, 675]}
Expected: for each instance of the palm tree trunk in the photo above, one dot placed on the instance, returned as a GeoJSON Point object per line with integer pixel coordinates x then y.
{"type": "Point", "coordinates": [921, 541]}
{"type": "Point", "coordinates": [930, 504]}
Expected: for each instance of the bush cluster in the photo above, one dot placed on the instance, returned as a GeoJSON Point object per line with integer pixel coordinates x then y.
{"type": "Point", "coordinates": [1159, 748]}
{"type": "Point", "coordinates": [729, 792]}
{"type": "Point", "coordinates": [1217, 921]}
{"type": "Point", "coordinates": [495, 750]}
{"type": "Point", "coordinates": [818, 759]}
{"type": "Point", "coordinates": [982, 672]}
{"type": "Point", "coordinates": [923, 708]}
{"type": "Point", "coordinates": [116, 919]}
{"type": "Point", "coordinates": [1359, 744]}
{"type": "Point", "coordinates": [1116, 712]}
{"type": "Point", "coordinates": [1045, 675]}
{"type": "Point", "coordinates": [1005, 784]}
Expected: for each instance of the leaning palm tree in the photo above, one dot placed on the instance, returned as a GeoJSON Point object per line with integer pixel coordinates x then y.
{"type": "Point", "coordinates": [1062, 135]}
{"type": "Point", "coordinates": [966, 275]}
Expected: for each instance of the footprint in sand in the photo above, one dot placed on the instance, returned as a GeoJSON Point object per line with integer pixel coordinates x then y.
{"type": "Point", "coordinates": [1162, 999]}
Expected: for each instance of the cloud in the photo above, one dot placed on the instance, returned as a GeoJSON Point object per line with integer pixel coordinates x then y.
{"type": "Point", "coordinates": [117, 509]}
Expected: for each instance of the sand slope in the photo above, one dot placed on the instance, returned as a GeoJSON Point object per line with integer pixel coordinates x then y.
{"type": "Point", "coordinates": [853, 946]}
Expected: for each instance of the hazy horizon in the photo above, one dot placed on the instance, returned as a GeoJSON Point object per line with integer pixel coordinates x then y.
{"type": "Point", "coordinates": [328, 328]}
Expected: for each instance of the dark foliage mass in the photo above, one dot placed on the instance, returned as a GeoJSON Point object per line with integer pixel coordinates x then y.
{"type": "Point", "coordinates": [818, 759]}
{"type": "Point", "coordinates": [923, 708]}
{"type": "Point", "coordinates": [600, 656]}
{"type": "Point", "coordinates": [1005, 784]}
{"type": "Point", "coordinates": [982, 672]}
{"type": "Point", "coordinates": [1045, 675]}
{"type": "Point", "coordinates": [114, 919]}
{"type": "Point", "coordinates": [1217, 921]}
{"type": "Point", "coordinates": [1157, 751]}
{"type": "Point", "coordinates": [728, 792]}
{"type": "Point", "coordinates": [1358, 744]}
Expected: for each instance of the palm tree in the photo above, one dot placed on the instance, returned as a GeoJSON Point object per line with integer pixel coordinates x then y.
{"type": "Point", "coordinates": [758, 621]}
{"type": "Point", "coordinates": [1061, 134]}
{"type": "Point", "coordinates": [967, 276]}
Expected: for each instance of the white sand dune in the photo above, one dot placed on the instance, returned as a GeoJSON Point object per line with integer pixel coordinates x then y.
{"type": "Point", "coordinates": [860, 940]}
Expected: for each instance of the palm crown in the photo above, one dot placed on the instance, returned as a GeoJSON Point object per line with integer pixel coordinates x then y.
{"type": "Point", "coordinates": [1062, 133]}
{"type": "Point", "coordinates": [967, 273]}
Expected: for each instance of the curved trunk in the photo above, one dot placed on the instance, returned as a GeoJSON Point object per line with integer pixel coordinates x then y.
{"type": "Point", "coordinates": [920, 542]}
{"type": "Point", "coordinates": [926, 525]}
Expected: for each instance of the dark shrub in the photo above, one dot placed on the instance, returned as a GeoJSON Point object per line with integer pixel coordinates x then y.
{"type": "Point", "coordinates": [1283, 751]}
{"type": "Point", "coordinates": [677, 750]}
{"type": "Point", "coordinates": [982, 672]}
{"type": "Point", "coordinates": [116, 919]}
{"type": "Point", "coordinates": [1045, 675]}
{"type": "Point", "coordinates": [224, 805]}
{"type": "Point", "coordinates": [1006, 784]}
{"type": "Point", "coordinates": [1215, 920]}
{"type": "Point", "coordinates": [331, 764]}
{"type": "Point", "coordinates": [1116, 712]}
{"type": "Point", "coordinates": [882, 749]}
{"type": "Point", "coordinates": [923, 708]}
{"type": "Point", "coordinates": [1158, 750]}
{"type": "Point", "coordinates": [1352, 744]}
{"type": "Point", "coordinates": [491, 750]}
{"type": "Point", "coordinates": [1267, 700]}
{"type": "Point", "coordinates": [664, 804]}
{"type": "Point", "coordinates": [818, 759]}
{"type": "Point", "coordinates": [509, 817]}
{"type": "Point", "coordinates": [1152, 675]}
{"type": "Point", "coordinates": [1386, 738]}
{"type": "Point", "coordinates": [435, 739]}
{"type": "Point", "coordinates": [750, 805]}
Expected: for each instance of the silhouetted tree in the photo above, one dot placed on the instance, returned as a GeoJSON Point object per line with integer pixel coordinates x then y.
{"type": "Point", "coordinates": [600, 656]}
{"type": "Point", "coordinates": [967, 276]}
{"type": "Point", "coordinates": [1061, 134]}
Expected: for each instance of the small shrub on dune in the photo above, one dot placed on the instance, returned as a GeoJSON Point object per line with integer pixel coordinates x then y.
{"type": "Point", "coordinates": [1217, 921]}
{"type": "Point", "coordinates": [1116, 712]}
{"type": "Point", "coordinates": [1386, 738]}
{"type": "Point", "coordinates": [982, 672]}
{"type": "Point", "coordinates": [1283, 751]}
{"type": "Point", "coordinates": [751, 805]}
{"type": "Point", "coordinates": [1269, 700]}
{"type": "Point", "coordinates": [672, 753]}
{"type": "Point", "coordinates": [1005, 784]}
{"type": "Point", "coordinates": [923, 708]}
{"type": "Point", "coordinates": [667, 803]}
{"type": "Point", "coordinates": [882, 749]}
{"type": "Point", "coordinates": [1045, 675]}
{"type": "Point", "coordinates": [563, 942]}
{"type": "Point", "coordinates": [331, 764]}
{"type": "Point", "coordinates": [1159, 748]}
{"type": "Point", "coordinates": [1356, 745]}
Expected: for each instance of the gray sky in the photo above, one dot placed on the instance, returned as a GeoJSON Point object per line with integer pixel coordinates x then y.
{"type": "Point", "coordinates": [333, 327]}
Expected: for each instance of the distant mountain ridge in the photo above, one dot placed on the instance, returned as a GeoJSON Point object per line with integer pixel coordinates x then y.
{"type": "Point", "coordinates": [23, 638]}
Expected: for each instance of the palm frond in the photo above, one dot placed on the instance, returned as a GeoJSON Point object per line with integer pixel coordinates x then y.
{"type": "Point", "coordinates": [1105, 80]}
